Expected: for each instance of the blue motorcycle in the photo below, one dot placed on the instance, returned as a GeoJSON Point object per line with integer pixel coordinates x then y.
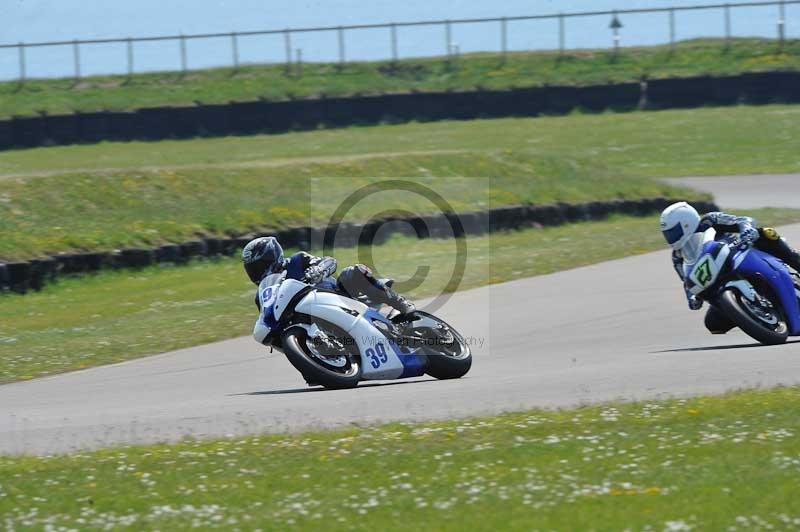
{"type": "Point", "coordinates": [751, 289]}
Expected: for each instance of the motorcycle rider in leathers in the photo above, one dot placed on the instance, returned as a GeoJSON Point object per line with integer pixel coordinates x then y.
{"type": "Point", "coordinates": [684, 229]}
{"type": "Point", "coordinates": [263, 256]}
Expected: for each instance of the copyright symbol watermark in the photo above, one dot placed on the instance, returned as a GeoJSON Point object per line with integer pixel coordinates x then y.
{"type": "Point", "coordinates": [363, 221]}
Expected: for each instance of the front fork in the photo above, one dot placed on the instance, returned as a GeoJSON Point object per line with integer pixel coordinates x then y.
{"type": "Point", "coordinates": [749, 292]}
{"type": "Point", "coordinates": [320, 339]}
{"type": "Point", "coordinates": [760, 303]}
{"type": "Point", "coordinates": [745, 288]}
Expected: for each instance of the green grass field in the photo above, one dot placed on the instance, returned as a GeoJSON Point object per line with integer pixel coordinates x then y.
{"type": "Point", "coordinates": [116, 316]}
{"type": "Point", "coordinates": [696, 57]}
{"type": "Point", "coordinates": [62, 198]}
{"type": "Point", "coordinates": [721, 463]}
{"type": "Point", "coordinates": [708, 141]}
{"type": "Point", "coordinates": [49, 214]}
{"type": "Point", "coordinates": [707, 463]}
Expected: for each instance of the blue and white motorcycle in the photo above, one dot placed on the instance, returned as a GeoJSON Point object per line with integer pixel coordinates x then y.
{"type": "Point", "coordinates": [336, 341]}
{"type": "Point", "coordinates": [746, 288]}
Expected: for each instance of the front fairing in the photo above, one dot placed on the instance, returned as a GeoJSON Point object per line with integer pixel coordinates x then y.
{"type": "Point", "coordinates": [695, 246]}
{"type": "Point", "coordinates": [274, 295]}
{"type": "Point", "coordinates": [709, 270]}
{"type": "Point", "coordinates": [754, 263]}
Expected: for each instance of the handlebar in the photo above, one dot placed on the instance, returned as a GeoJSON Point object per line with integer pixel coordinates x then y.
{"type": "Point", "coordinates": [737, 243]}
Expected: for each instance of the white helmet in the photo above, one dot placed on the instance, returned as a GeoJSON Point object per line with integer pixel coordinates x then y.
{"type": "Point", "coordinates": [679, 222]}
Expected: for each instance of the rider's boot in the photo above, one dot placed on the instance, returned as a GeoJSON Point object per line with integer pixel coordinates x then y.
{"type": "Point", "coordinates": [358, 281]}
{"type": "Point", "coordinates": [392, 298]}
{"type": "Point", "coordinates": [399, 303]}
{"type": "Point", "coordinates": [788, 254]}
{"type": "Point", "coordinates": [774, 244]}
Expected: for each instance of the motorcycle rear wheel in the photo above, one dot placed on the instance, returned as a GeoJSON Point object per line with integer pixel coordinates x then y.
{"type": "Point", "coordinates": [301, 355]}
{"type": "Point", "coordinates": [730, 302]}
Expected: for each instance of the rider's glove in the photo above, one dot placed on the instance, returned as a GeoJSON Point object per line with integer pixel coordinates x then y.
{"type": "Point", "coordinates": [738, 244]}
{"type": "Point", "coordinates": [314, 275]}
{"type": "Point", "coordinates": [695, 303]}
{"type": "Point", "coordinates": [748, 236]}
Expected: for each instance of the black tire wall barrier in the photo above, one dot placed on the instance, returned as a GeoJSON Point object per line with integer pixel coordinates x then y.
{"type": "Point", "coordinates": [23, 276]}
{"type": "Point", "coordinates": [247, 118]}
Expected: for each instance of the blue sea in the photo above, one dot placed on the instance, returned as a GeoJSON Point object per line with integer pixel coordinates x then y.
{"type": "Point", "coordinates": [48, 20]}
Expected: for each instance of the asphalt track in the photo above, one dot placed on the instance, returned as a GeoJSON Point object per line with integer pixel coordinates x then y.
{"type": "Point", "coordinates": [616, 330]}
{"type": "Point", "coordinates": [748, 192]}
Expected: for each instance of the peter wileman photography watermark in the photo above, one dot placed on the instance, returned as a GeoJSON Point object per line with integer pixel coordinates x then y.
{"type": "Point", "coordinates": [411, 343]}
{"type": "Point", "coordinates": [373, 212]}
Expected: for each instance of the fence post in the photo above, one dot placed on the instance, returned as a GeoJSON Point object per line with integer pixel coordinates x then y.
{"type": "Point", "coordinates": [672, 31]}
{"type": "Point", "coordinates": [22, 70]}
{"type": "Point", "coordinates": [727, 26]}
{"type": "Point", "coordinates": [447, 37]}
{"type": "Point", "coordinates": [235, 49]}
{"type": "Point", "coordinates": [562, 38]}
{"type": "Point", "coordinates": [299, 52]}
{"type": "Point", "coordinates": [287, 42]}
{"type": "Point", "coordinates": [504, 37]}
{"type": "Point", "coordinates": [342, 52]}
{"type": "Point", "coordinates": [130, 56]}
{"type": "Point", "coordinates": [76, 55]}
{"type": "Point", "coordinates": [393, 34]}
{"type": "Point", "coordinates": [782, 24]}
{"type": "Point", "coordinates": [184, 61]}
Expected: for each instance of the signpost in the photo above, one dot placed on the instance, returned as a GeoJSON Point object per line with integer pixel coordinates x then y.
{"type": "Point", "coordinates": [615, 26]}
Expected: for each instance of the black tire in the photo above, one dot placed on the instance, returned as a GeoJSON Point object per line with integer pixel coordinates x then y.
{"type": "Point", "coordinates": [717, 322]}
{"type": "Point", "coordinates": [443, 367]}
{"type": "Point", "coordinates": [316, 372]}
{"type": "Point", "coordinates": [444, 363]}
{"type": "Point", "coordinates": [730, 303]}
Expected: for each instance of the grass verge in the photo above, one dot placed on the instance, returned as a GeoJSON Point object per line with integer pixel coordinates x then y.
{"type": "Point", "coordinates": [170, 190]}
{"type": "Point", "coordinates": [116, 316]}
{"type": "Point", "coordinates": [487, 70]}
{"type": "Point", "coordinates": [708, 463]}
{"type": "Point", "coordinates": [708, 141]}
{"type": "Point", "coordinates": [72, 212]}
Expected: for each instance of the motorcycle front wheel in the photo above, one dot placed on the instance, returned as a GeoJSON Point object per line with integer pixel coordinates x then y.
{"type": "Point", "coordinates": [765, 324]}
{"type": "Point", "coordinates": [448, 355]}
{"type": "Point", "coordinates": [321, 364]}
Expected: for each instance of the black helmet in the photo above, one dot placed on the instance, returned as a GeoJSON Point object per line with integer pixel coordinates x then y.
{"type": "Point", "coordinates": [261, 256]}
